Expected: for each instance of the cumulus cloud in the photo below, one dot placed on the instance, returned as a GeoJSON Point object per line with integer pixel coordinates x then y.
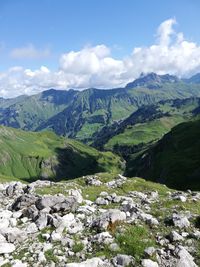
{"type": "Point", "coordinates": [29, 52]}
{"type": "Point", "coordinates": [95, 67]}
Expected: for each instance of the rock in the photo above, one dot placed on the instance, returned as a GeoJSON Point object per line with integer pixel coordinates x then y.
{"type": "Point", "coordinates": [149, 263]}
{"type": "Point", "coordinates": [41, 221]}
{"type": "Point", "coordinates": [148, 218]}
{"type": "Point", "coordinates": [93, 181]}
{"type": "Point", "coordinates": [179, 196]}
{"type": "Point", "coordinates": [65, 222]}
{"type": "Point", "coordinates": [19, 263]}
{"type": "Point", "coordinates": [185, 259]}
{"type": "Point", "coordinates": [102, 238]}
{"type": "Point", "coordinates": [56, 236]}
{"type": "Point", "coordinates": [15, 235]}
{"type": "Point", "coordinates": [94, 262]}
{"type": "Point", "coordinates": [150, 251]}
{"type": "Point", "coordinates": [14, 188]}
{"type": "Point", "coordinates": [41, 257]}
{"type": "Point", "coordinates": [75, 228]}
{"type": "Point", "coordinates": [4, 223]}
{"type": "Point", "coordinates": [180, 221]}
{"type": "Point", "coordinates": [101, 201]}
{"type": "Point", "coordinates": [76, 193]}
{"type": "Point", "coordinates": [2, 238]}
{"type": "Point", "coordinates": [196, 234]}
{"type": "Point", "coordinates": [5, 214]}
{"type": "Point", "coordinates": [31, 212]}
{"type": "Point", "coordinates": [114, 247]}
{"type": "Point", "coordinates": [174, 236]}
{"type": "Point", "coordinates": [6, 248]}
{"type": "Point", "coordinates": [108, 218]}
{"type": "Point", "coordinates": [122, 260]}
{"type": "Point", "coordinates": [24, 201]}
{"type": "Point", "coordinates": [183, 198]}
{"type": "Point", "coordinates": [68, 205]}
{"type": "Point", "coordinates": [47, 202]}
{"type": "Point", "coordinates": [31, 228]}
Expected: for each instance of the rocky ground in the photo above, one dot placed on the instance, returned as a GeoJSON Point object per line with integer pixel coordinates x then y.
{"type": "Point", "coordinates": [98, 221]}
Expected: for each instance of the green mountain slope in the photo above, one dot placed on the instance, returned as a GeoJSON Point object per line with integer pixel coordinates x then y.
{"type": "Point", "coordinates": [174, 160]}
{"type": "Point", "coordinates": [92, 109]}
{"type": "Point", "coordinates": [81, 114]}
{"type": "Point", "coordinates": [28, 112]}
{"type": "Point", "coordinates": [29, 156]}
{"type": "Point", "coordinates": [146, 125]}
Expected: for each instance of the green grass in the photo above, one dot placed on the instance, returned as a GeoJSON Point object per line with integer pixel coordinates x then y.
{"type": "Point", "coordinates": [174, 160]}
{"type": "Point", "coordinates": [134, 240]}
{"type": "Point", "coordinates": [28, 156]}
{"type": "Point", "coordinates": [77, 247]}
{"type": "Point", "coordinates": [144, 132]}
{"type": "Point", "coordinates": [50, 256]}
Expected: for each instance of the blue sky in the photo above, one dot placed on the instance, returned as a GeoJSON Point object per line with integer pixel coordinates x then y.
{"type": "Point", "coordinates": [42, 32]}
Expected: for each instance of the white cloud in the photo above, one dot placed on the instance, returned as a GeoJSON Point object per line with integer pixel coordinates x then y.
{"type": "Point", "coordinates": [29, 52]}
{"type": "Point", "coordinates": [95, 67]}
{"type": "Point", "coordinates": [165, 31]}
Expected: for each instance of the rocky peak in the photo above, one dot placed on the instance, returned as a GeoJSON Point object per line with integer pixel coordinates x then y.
{"type": "Point", "coordinates": [152, 80]}
{"type": "Point", "coordinates": [194, 79]}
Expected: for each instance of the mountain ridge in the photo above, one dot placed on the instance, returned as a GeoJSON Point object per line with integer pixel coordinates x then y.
{"type": "Point", "coordinates": [80, 114]}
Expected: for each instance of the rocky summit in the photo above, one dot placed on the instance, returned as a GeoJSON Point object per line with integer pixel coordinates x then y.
{"type": "Point", "coordinates": [103, 220]}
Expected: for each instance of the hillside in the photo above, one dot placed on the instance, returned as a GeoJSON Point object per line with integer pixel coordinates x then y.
{"type": "Point", "coordinates": [80, 114]}
{"type": "Point", "coordinates": [174, 160]}
{"type": "Point", "coordinates": [30, 156]}
{"type": "Point", "coordinates": [28, 112]}
{"type": "Point", "coordinates": [146, 125]}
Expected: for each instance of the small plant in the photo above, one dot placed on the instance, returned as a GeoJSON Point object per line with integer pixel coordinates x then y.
{"type": "Point", "coordinates": [50, 256]}
{"type": "Point", "coordinates": [6, 265]}
{"type": "Point", "coordinates": [77, 247]}
{"type": "Point", "coordinates": [41, 239]}
{"type": "Point", "coordinates": [134, 240]}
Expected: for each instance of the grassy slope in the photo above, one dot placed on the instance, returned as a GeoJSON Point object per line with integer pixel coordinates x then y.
{"type": "Point", "coordinates": [144, 132]}
{"type": "Point", "coordinates": [174, 160]}
{"type": "Point", "coordinates": [29, 155]}
{"type": "Point", "coordinates": [146, 125]}
{"type": "Point", "coordinates": [28, 112]}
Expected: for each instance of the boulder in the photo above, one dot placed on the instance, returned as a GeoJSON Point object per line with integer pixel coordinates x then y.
{"type": "Point", "coordinates": [93, 181]}
{"type": "Point", "coordinates": [76, 193]}
{"type": "Point", "coordinates": [6, 248]}
{"type": "Point", "coordinates": [42, 220]}
{"type": "Point", "coordinates": [108, 218]}
{"type": "Point", "coordinates": [122, 260]}
{"type": "Point", "coordinates": [24, 201]}
{"type": "Point", "coordinates": [185, 259]}
{"type": "Point", "coordinates": [149, 263]}
{"type": "Point", "coordinates": [57, 203]}
{"type": "Point", "coordinates": [180, 221]}
{"type": "Point", "coordinates": [174, 236]}
{"type": "Point", "coordinates": [94, 262]}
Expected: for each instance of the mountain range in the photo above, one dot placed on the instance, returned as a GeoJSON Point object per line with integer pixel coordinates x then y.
{"type": "Point", "coordinates": [80, 114]}
{"type": "Point", "coordinates": [132, 122]}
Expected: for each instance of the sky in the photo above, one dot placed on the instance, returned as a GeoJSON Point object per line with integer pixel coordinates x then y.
{"type": "Point", "coordinates": [89, 43]}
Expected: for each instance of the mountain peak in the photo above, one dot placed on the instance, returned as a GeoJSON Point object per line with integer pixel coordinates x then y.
{"type": "Point", "coordinates": [194, 79]}
{"type": "Point", "coordinates": [152, 80]}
